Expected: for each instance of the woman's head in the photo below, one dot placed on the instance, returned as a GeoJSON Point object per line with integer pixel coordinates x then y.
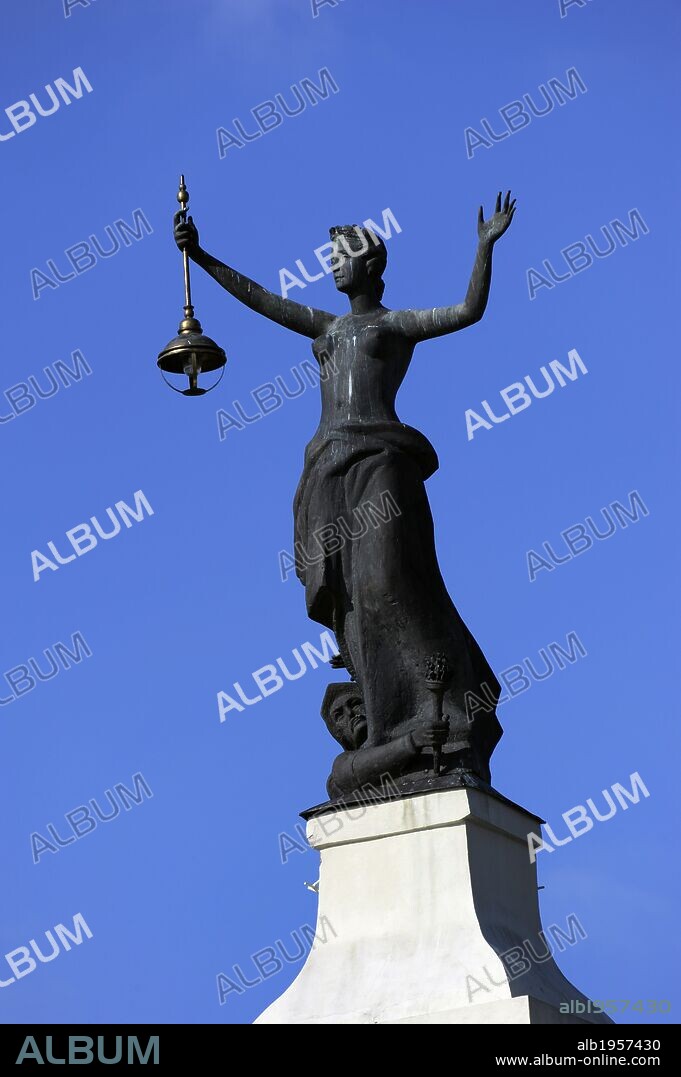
{"type": "Point", "coordinates": [359, 260]}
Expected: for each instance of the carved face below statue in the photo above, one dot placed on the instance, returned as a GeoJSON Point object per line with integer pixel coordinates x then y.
{"type": "Point", "coordinates": [343, 711]}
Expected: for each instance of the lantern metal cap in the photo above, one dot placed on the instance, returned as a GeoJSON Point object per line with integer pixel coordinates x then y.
{"type": "Point", "coordinates": [178, 352]}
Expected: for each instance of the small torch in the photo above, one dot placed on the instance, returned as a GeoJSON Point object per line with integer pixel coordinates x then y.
{"type": "Point", "coordinates": [438, 676]}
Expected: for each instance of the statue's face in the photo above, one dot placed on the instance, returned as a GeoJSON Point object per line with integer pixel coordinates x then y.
{"type": "Point", "coordinates": [350, 272]}
{"type": "Point", "coordinates": [348, 716]}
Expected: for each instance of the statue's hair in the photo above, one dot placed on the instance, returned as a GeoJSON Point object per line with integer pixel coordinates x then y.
{"type": "Point", "coordinates": [361, 242]}
{"type": "Point", "coordinates": [333, 693]}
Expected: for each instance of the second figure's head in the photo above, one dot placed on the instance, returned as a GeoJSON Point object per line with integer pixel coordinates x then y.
{"type": "Point", "coordinates": [343, 711]}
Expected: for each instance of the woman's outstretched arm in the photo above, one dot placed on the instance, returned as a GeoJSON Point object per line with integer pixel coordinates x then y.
{"type": "Point", "coordinates": [423, 324]}
{"type": "Point", "coordinates": [301, 319]}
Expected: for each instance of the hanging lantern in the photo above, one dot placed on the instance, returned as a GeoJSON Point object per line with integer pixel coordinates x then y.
{"type": "Point", "coordinates": [191, 352]}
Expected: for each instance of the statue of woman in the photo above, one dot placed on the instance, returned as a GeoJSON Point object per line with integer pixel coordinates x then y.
{"type": "Point", "coordinates": [379, 587]}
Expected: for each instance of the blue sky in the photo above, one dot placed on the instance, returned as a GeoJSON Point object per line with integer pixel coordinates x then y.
{"type": "Point", "coordinates": [188, 601]}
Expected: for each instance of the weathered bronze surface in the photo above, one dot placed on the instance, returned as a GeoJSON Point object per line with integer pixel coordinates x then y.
{"type": "Point", "coordinates": [380, 589]}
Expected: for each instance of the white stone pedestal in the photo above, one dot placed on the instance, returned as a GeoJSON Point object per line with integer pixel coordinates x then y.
{"type": "Point", "coordinates": [418, 898]}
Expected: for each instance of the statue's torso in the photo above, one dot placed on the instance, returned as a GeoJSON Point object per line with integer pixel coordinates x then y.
{"type": "Point", "coordinates": [363, 362]}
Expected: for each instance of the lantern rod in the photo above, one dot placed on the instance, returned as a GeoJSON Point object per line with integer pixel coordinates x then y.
{"type": "Point", "coordinates": [183, 199]}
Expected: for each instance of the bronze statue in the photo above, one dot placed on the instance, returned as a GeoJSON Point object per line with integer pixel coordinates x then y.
{"type": "Point", "coordinates": [382, 593]}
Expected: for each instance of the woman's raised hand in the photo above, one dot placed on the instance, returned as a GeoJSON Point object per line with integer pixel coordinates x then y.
{"type": "Point", "coordinates": [493, 229]}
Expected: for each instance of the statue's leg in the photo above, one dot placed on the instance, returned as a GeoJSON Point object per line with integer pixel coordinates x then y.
{"type": "Point", "coordinates": [381, 582]}
{"type": "Point", "coordinates": [400, 611]}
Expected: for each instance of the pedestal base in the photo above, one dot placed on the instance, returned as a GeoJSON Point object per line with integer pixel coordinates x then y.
{"type": "Point", "coordinates": [428, 914]}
